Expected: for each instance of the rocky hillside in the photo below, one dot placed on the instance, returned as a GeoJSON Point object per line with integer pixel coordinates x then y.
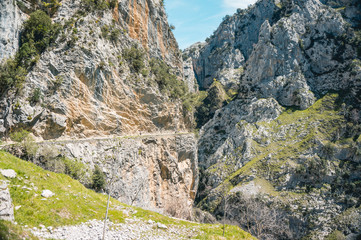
{"type": "Point", "coordinates": [98, 68]}
{"type": "Point", "coordinates": [47, 205]}
{"type": "Point", "coordinates": [92, 71]}
{"type": "Point", "coordinates": [156, 172]}
{"type": "Point", "coordinates": [282, 159]}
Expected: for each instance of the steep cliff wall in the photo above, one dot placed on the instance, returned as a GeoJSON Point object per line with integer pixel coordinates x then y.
{"type": "Point", "coordinates": [286, 152]}
{"type": "Point", "coordinates": [109, 71]}
{"type": "Point", "coordinates": [96, 78]}
{"type": "Point", "coordinates": [11, 19]}
{"type": "Point", "coordinates": [158, 172]}
{"type": "Point", "coordinates": [301, 48]}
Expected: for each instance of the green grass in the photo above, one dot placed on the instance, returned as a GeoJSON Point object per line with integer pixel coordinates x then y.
{"type": "Point", "coordinates": [73, 203]}
{"type": "Point", "coordinates": [10, 231]}
{"type": "Point", "coordinates": [291, 135]}
{"type": "Point", "coordinates": [301, 128]}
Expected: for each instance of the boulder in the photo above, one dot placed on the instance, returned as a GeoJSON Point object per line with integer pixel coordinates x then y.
{"type": "Point", "coordinates": [6, 207]}
{"type": "Point", "coordinates": [8, 173]}
{"type": "Point", "coordinates": [47, 194]}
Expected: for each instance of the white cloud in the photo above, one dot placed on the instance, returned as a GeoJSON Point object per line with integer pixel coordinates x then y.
{"type": "Point", "coordinates": [234, 4]}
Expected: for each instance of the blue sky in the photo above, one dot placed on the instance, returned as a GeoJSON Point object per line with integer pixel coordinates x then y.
{"type": "Point", "coordinates": [195, 20]}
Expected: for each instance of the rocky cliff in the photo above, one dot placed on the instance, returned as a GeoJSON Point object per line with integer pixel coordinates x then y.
{"type": "Point", "coordinates": [96, 77]}
{"type": "Point", "coordinates": [282, 160]}
{"type": "Point", "coordinates": [156, 172]}
{"type": "Point", "coordinates": [86, 69]}
{"type": "Point", "coordinates": [6, 207]}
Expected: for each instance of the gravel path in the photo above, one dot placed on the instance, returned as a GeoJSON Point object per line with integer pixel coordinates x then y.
{"type": "Point", "coordinates": [131, 229]}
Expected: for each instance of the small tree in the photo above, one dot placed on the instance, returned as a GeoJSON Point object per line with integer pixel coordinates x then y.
{"type": "Point", "coordinates": [98, 179]}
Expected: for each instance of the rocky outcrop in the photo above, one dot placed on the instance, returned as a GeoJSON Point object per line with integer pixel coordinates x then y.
{"type": "Point", "coordinates": [6, 207]}
{"type": "Point", "coordinates": [11, 20]}
{"type": "Point", "coordinates": [230, 46]}
{"type": "Point", "coordinates": [279, 152]}
{"type": "Point", "coordinates": [157, 172]}
{"type": "Point", "coordinates": [85, 84]}
{"type": "Point", "coordinates": [190, 55]}
{"type": "Point", "coordinates": [295, 46]}
{"type": "Point", "coordinates": [146, 21]}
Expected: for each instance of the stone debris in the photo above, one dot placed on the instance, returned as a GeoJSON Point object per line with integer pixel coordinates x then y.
{"type": "Point", "coordinates": [8, 173]}
{"type": "Point", "coordinates": [161, 226]}
{"type": "Point", "coordinates": [47, 194]}
{"type": "Point", "coordinates": [93, 230]}
{"type": "Point", "coordinates": [6, 207]}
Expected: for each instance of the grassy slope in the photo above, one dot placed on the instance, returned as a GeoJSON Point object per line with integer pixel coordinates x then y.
{"type": "Point", "coordinates": [73, 203]}
{"type": "Point", "coordinates": [292, 134]}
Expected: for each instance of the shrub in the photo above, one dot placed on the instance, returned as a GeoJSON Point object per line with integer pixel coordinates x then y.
{"type": "Point", "coordinates": [113, 3]}
{"type": "Point", "coordinates": [58, 81]}
{"type": "Point", "coordinates": [39, 32]}
{"type": "Point", "coordinates": [55, 165]}
{"type": "Point", "coordinates": [195, 100]}
{"type": "Point", "coordinates": [75, 169]}
{"type": "Point", "coordinates": [30, 147]}
{"type": "Point", "coordinates": [98, 179]}
{"type": "Point", "coordinates": [167, 81]}
{"type": "Point", "coordinates": [135, 57]}
{"type": "Point", "coordinates": [50, 6]}
{"type": "Point", "coordinates": [328, 150]}
{"type": "Point", "coordinates": [19, 136]}
{"type": "Point", "coordinates": [11, 75]}
{"type": "Point", "coordinates": [36, 96]}
{"type": "Point", "coordinates": [95, 5]}
{"type": "Point", "coordinates": [114, 35]}
{"type": "Point", "coordinates": [105, 31]}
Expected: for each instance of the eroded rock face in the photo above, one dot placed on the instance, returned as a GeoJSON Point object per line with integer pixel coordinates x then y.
{"type": "Point", "coordinates": [11, 19]}
{"type": "Point", "coordinates": [230, 46]}
{"type": "Point", "coordinates": [87, 87]}
{"type": "Point", "coordinates": [271, 160]}
{"type": "Point", "coordinates": [154, 172]}
{"type": "Point", "coordinates": [6, 207]}
{"type": "Point", "coordinates": [294, 44]}
{"type": "Point", "coordinates": [190, 55]}
{"type": "Point", "coordinates": [146, 21]}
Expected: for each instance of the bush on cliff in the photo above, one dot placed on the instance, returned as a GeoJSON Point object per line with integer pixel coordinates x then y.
{"type": "Point", "coordinates": [38, 33]}
{"type": "Point", "coordinates": [98, 179]}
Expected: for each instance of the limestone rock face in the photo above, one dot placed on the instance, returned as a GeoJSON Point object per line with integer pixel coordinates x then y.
{"type": "Point", "coordinates": [279, 150]}
{"type": "Point", "coordinates": [146, 21]}
{"type": "Point", "coordinates": [190, 55]}
{"type": "Point", "coordinates": [94, 81]}
{"type": "Point", "coordinates": [87, 86]}
{"type": "Point", "coordinates": [157, 172]}
{"type": "Point", "coordinates": [294, 44]}
{"type": "Point", "coordinates": [11, 19]}
{"type": "Point", "coordinates": [6, 207]}
{"type": "Point", "coordinates": [231, 45]}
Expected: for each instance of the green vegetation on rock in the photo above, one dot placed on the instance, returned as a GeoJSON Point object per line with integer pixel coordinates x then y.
{"type": "Point", "coordinates": [38, 33]}
{"type": "Point", "coordinates": [300, 154]}
{"type": "Point", "coordinates": [166, 80]}
{"type": "Point", "coordinates": [10, 231]}
{"type": "Point", "coordinates": [135, 56]}
{"type": "Point", "coordinates": [216, 98]}
{"type": "Point", "coordinates": [73, 204]}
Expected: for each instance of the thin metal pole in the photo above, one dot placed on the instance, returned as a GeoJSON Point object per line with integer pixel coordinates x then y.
{"type": "Point", "coordinates": [106, 215]}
